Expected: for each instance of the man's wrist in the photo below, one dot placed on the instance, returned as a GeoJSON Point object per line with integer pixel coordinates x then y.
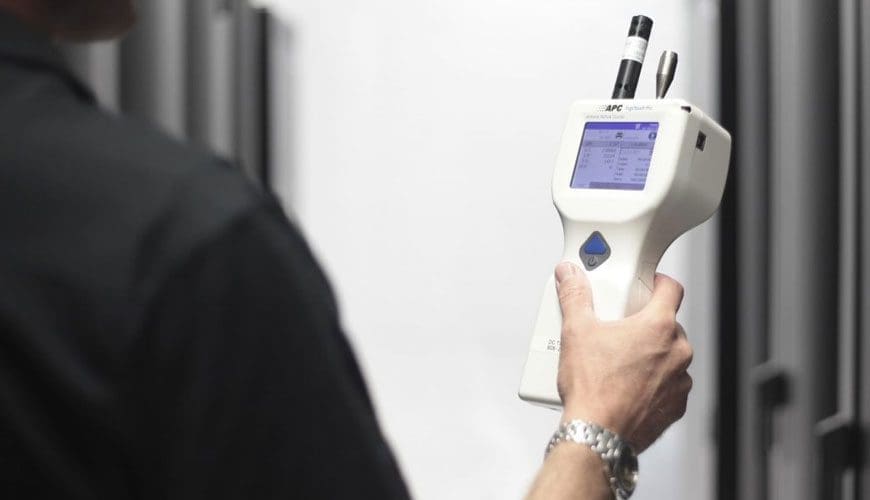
{"type": "Point", "coordinates": [605, 419]}
{"type": "Point", "coordinates": [618, 458]}
{"type": "Point", "coordinates": [585, 462]}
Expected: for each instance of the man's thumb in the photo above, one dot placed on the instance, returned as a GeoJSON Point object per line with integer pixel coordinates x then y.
{"type": "Point", "coordinates": [575, 293]}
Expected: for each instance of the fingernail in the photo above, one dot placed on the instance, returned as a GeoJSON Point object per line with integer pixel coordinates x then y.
{"type": "Point", "coordinates": [564, 270]}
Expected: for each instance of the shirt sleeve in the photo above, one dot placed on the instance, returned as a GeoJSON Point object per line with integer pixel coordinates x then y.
{"type": "Point", "coordinates": [243, 386]}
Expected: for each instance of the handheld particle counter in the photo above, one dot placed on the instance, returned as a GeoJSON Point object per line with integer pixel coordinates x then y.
{"type": "Point", "coordinates": [631, 176]}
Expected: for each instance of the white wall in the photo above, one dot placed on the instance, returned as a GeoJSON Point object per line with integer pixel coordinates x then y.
{"type": "Point", "coordinates": [415, 143]}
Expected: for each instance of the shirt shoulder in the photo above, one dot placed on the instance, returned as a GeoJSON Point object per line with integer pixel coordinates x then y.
{"type": "Point", "coordinates": [101, 204]}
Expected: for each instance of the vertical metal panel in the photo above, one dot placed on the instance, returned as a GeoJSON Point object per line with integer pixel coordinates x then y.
{"type": "Point", "coordinates": [250, 89]}
{"type": "Point", "coordinates": [265, 35]}
{"type": "Point", "coordinates": [850, 121]}
{"type": "Point", "coordinates": [700, 309]}
{"type": "Point", "coordinates": [753, 160]}
{"type": "Point", "coordinates": [814, 279]}
{"type": "Point", "coordinates": [153, 65]}
{"type": "Point", "coordinates": [210, 75]}
{"type": "Point", "coordinates": [863, 175]}
{"type": "Point", "coordinates": [96, 64]}
{"type": "Point", "coordinates": [804, 233]}
{"type": "Point", "coordinates": [281, 132]}
{"type": "Point", "coordinates": [199, 69]}
{"type": "Point", "coordinates": [727, 384]}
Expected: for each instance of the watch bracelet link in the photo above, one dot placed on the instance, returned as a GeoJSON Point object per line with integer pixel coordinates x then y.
{"type": "Point", "coordinates": [606, 444]}
{"type": "Point", "coordinates": [602, 441]}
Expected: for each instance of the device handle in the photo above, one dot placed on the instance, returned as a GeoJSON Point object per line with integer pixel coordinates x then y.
{"type": "Point", "coordinates": [620, 294]}
{"type": "Point", "coordinates": [615, 294]}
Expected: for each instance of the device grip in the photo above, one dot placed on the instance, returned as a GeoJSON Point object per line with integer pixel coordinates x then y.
{"type": "Point", "coordinates": [615, 295]}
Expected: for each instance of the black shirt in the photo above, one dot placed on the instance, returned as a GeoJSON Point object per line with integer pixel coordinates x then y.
{"type": "Point", "coordinates": [165, 333]}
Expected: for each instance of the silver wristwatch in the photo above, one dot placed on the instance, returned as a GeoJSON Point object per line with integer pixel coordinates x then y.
{"type": "Point", "coordinates": [620, 460]}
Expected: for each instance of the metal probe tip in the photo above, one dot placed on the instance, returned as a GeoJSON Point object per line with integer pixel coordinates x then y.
{"type": "Point", "coordinates": [665, 73]}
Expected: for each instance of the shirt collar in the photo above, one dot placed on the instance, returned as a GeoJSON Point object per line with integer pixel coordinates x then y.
{"type": "Point", "coordinates": [22, 46]}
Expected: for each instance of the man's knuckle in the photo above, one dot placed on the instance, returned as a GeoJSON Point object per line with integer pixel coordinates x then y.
{"type": "Point", "coordinates": [681, 410]}
{"type": "Point", "coordinates": [570, 293]}
{"type": "Point", "coordinates": [664, 322]}
{"type": "Point", "coordinates": [687, 352]}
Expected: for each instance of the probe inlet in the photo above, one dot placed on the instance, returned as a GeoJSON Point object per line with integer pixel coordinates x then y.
{"type": "Point", "coordinates": [632, 57]}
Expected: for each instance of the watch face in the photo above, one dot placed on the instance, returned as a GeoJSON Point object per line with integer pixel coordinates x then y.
{"type": "Point", "coordinates": [625, 471]}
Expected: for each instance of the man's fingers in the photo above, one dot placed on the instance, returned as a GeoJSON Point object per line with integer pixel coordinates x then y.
{"type": "Point", "coordinates": [684, 351]}
{"type": "Point", "coordinates": [667, 293]}
{"type": "Point", "coordinates": [575, 294]}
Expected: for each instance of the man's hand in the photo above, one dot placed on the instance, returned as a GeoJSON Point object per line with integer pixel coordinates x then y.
{"type": "Point", "coordinates": [628, 376]}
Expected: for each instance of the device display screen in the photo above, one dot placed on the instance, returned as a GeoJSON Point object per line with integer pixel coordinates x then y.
{"type": "Point", "coordinates": [614, 155]}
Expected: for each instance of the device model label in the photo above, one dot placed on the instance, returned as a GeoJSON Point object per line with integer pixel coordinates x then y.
{"type": "Point", "coordinates": [546, 344]}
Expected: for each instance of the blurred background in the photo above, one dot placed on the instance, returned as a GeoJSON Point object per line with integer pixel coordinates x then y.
{"type": "Point", "coordinates": [413, 142]}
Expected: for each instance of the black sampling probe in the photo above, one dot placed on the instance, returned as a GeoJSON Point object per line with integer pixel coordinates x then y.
{"type": "Point", "coordinates": [632, 57]}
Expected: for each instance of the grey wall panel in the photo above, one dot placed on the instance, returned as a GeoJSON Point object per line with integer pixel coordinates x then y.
{"type": "Point", "coordinates": [153, 65]}
{"type": "Point", "coordinates": [804, 233]}
{"type": "Point", "coordinates": [752, 157]}
{"type": "Point", "coordinates": [196, 68]}
{"type": "Point", "coordinates": [700, 305]}
{"type": "Point", "coordinates": [210, 74]}
{"type": "Point", "coordinates": [863, 173]}
{"type": "Point", "coordinates": [849, 292]}
{"type": "Point", "coordinates": [97, 65]}
{"type": "Point", "coordinates": [850, 112]}
{"type": "Point", "coordinates": [283, 81]}
{"type": "Point", "coordinates": [804, 186]}
{"type": "Point", "coordinates": [250, 88]}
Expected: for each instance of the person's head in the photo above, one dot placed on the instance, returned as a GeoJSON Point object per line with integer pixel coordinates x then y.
{"type": "Point", "coordinates": [75, 20]}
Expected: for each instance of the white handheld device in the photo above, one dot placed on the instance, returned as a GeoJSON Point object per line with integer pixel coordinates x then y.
{"type": "Point", "coordinates": [631, 176]}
